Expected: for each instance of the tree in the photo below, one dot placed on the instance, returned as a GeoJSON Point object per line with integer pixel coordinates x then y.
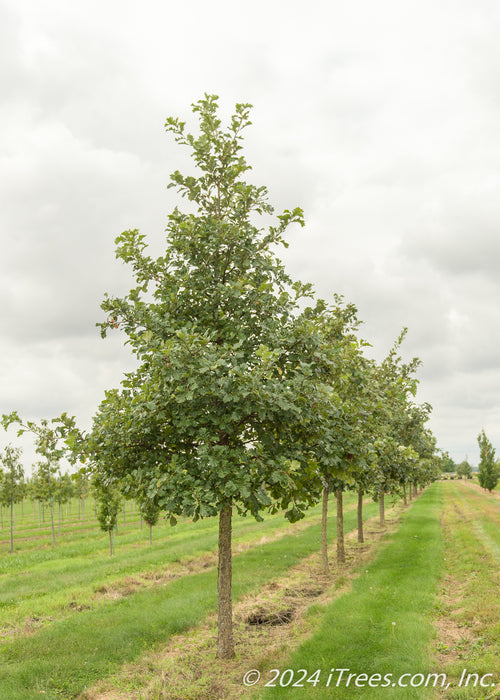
{"type": "Point", "coordinates": [82, 487]}
{"type": "Point", "coordinates": [12, 483]}
{"type": "Point", "coordinates": [64, 492]}
{"type": "Point", "coordinates": [340, 450]}
{"type": "Point", "coordinates": [215, 416]}
{"type": "Point", "coordinates": [394, 457]}
{"type": "Point", "coordinates": [45, 485]}
{"type": "Point", "coordinates": [150, 511]}
{"type": "Point", "coordinates": [448, 466]}
{"type": "Point", "coordinates": [488, 472]}
{"type": "Point", "coordinates": [464, 470]}
{"type": "Point", "coordinates": [108, 501]}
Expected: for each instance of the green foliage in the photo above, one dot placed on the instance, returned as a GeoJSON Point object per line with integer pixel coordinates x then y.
{"type": "Point", "coordinates": [219, 409]}
{"type": "Point", "coordinates": [12, 476]}
{"type": "Point", "coordinates": [488, 472]}
{"type": "Point", "coordinates": [108, 501]}
{"type": "Point", "coordinates": [447, 464]}
{"type": "Point", "coordinates": [64, 489]}
{"type": "Point", "coordinates": [464, 470]}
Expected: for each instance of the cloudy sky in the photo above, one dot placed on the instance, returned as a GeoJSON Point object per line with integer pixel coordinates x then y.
{"type": "Point", "coordinates": [380, 119]}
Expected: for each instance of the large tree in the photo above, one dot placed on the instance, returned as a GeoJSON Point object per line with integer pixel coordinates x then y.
{"type": "Point", "coordinates": [227, 383]}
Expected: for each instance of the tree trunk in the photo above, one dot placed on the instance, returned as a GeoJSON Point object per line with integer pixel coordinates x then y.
{"type": "Point", "coordinates": [381, 505]}
{"type": "Point", "coordinates": [361, 537]}
{"type": "Point", "coordinates": [150, 534]}
{"type": "Point", "coordinates": [52, 524]}
{"type": "Point", "coordinates": [225, 643]}
{"type": "Point", "coordinates": [324, 537]}
{"type": "Point", "coordinates": [340, 528]}
{"type": "Point", "coordinates": [111, 543]}
{"type": "Point", "coordinates": [12, 526]}
{"type": "Point", "coordinates": [404, 495]}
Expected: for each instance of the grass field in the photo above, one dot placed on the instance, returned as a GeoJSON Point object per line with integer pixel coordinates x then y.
{"type": "Point", "coordinates": [415, 606]}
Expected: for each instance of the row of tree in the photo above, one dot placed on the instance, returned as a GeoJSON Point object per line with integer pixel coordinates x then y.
{"type": "Point", "coordinates": [250, 394]}
{"type": "Point", "coordinates": [49, 488]}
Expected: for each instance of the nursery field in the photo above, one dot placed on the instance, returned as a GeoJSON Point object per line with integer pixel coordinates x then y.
{"type": "Point", "coordinates": [414, 612]}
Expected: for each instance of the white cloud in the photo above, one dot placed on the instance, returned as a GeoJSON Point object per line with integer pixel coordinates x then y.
{"type": "Point", "coordinates": [379, 119]}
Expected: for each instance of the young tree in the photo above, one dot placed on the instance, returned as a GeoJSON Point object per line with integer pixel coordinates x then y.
{"type": "Point", "coordinates": [448, 466]}
{"type": "Point", "coordinates": [12, 483]}
{"type": "Point", "coordinates": [464, 470]}
{"type": "Point", "coordinates": [82, 487]}
{"type": "Point", "coordinates": [150, 511]}
{"type": "Point", "coordinates": [215, 416]}
{"type": "Point", "coordinates": [45, 481]}
{"type": "Point", "coordinates": [48, 445]}
{"type": "Point", "coordinates": [108, 502]}
{"type": "Point", "coordinates": [64, 492]}
{"type": "Point", "coordinates": [488, 472]}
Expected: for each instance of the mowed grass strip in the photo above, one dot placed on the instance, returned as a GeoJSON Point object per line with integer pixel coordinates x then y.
{"type": "Point", "coordinates": [382, 626]}
{"type": "Point", "coordinates": [57, 582]}
{"type": "Point", "coordinates": [64, 658]}
{"type": "Point", "coordinates": [468, 616]}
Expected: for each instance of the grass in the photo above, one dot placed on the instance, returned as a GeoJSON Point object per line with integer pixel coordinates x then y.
{"type": "Point", "coordinates": [468, 614]}
{"type": "Point", "coordinates": [47, 583]}
{"type": "Point", "coordinates": [382, 626]}
{"type": "Point", "coordinates": [68, 655]}
{"type": "Point", "coordinates": [435, 578]}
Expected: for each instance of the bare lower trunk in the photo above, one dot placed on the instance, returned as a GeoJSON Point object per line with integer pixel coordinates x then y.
{"type": "Point", "coordinates": [12, 527]}
{"type": "Point", "coordinates": [381, 505]}
{"type": "Point", "coordinates": [324, 534]}
{"type": "Point", "coordinates": [404, 495]}
{"type": "Point", "coordinates": [225, 643]}
{"type": "Point", "coordinates": [340, 528]}
{"type": "Point", "coordinates": [415, 491]}
{"type": "Point", "coordinates": [360, 517]}
{"type": "Point", "coordinates": [150, 534]}
{"type": "Point", "coordinates": [110, 543]}
{"type": "Point", "coordinates": [52, 524]}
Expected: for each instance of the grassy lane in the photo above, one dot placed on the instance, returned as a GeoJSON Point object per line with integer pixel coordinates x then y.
{"type": "Point", "coordinates": [468, 619]}
{"type": "Point", "coordinates": [53, 583]}
{"type": "Point", "coordinates": [70, 654]}
{"type": "Point", "coordinates": [382, 626]}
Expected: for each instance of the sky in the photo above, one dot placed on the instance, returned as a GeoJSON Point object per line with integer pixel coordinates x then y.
{"type": "Point", "coordinates": [379, 119]}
